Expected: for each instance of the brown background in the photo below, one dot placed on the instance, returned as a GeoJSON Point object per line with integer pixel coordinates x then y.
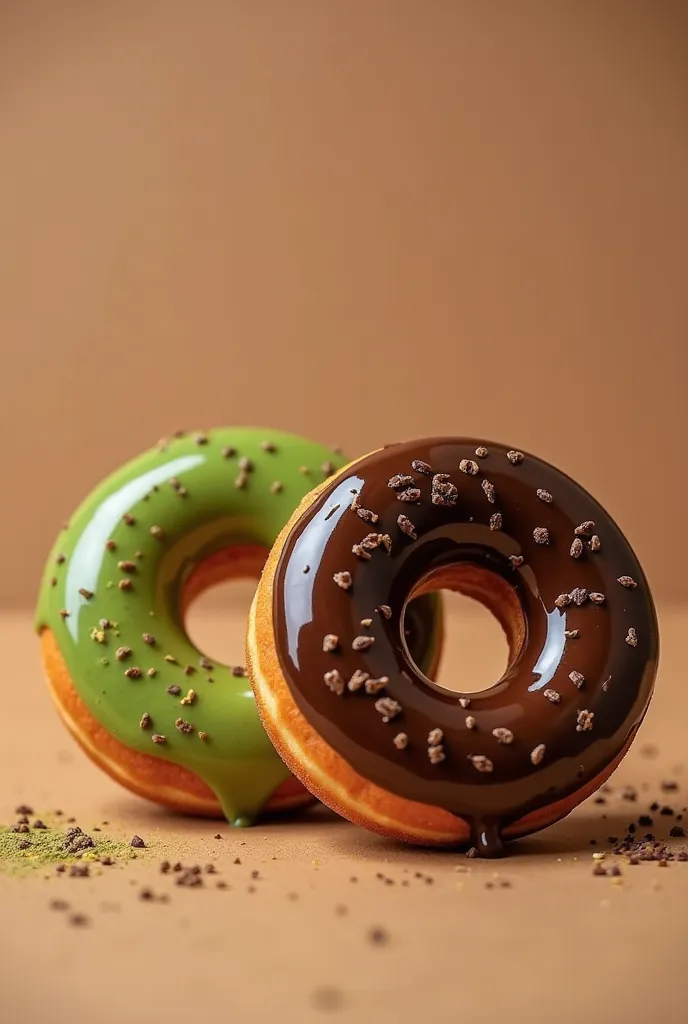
{"type": "Point", "coordinates": [361, 221]}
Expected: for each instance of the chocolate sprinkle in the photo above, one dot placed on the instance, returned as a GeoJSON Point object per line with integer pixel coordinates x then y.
{"type": "Point", "coordinates": [333, 680]}
{"type": "Point", "coordinates": [538, 753]}
{"type": "Point", "coordinates": [489, 490]}
{"type": "Point", "coordinates": [496, 521]}
{"type": "Point", "coordinates": [410, 494]}
{"type": "Point", "coordinates": [503, 735]}
{"type": "Point", "coordinates": [388, 708]}
{"type": "Point", "coordinates": [400, 481]}
{"type": "Point", "coordinates": [584, 721]}
{"type": "Point", "coordinates": [480, 762]}
{"type": "Point", "coordinates": [407, 527]}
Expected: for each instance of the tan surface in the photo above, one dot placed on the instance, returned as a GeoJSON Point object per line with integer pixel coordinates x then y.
{"type": "Point", "coordinates": [361, 220]}
{"type": "Point", "coordinates": [559, 945]}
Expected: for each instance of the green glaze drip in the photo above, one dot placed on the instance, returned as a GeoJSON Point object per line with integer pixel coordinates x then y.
{"type": "Point", "coordinates": [236, 760]}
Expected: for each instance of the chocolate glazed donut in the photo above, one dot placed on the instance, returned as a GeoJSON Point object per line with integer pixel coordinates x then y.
{"type": "Point", "coordinates": [516, 534]}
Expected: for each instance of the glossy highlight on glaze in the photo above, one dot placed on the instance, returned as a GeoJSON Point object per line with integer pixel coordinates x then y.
{"type": "Point", "coordinates": [118, 572]}
{"type": "Point", "coordinates": [531, 544]}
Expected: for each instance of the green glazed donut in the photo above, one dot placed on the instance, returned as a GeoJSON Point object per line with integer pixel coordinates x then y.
{"type": "Point", "coordinates": [134, 690]}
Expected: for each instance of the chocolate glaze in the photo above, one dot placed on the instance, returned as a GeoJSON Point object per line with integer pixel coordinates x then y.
{"type": "Point", "coordinates": [618, 677]}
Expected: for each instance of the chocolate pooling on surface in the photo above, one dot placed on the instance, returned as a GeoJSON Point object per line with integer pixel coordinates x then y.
{"type": "Point", "coordinates": [571, 617]}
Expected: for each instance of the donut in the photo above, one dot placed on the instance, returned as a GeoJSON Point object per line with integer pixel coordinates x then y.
{"type": "Point", "coordinates": [144, 703]}
{"type": "Point", "coordinates": [366, 729]}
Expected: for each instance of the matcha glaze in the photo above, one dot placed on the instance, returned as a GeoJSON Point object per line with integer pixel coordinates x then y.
{"type": "Point", "coordinates": [117, 573]}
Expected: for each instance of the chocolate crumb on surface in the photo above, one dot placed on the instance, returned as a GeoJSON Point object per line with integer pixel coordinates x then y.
{"type": "Point", "coordinates": [465, 702]}
{"type": "Point", "coordinates": [184, 727]}
{"type": "Point", "coordinates": [544, 495]}
{"type": "Point", "coordinates": [579, 596]}
{"type": "Point", "coordinates": [515, 561]}
{"type": "Point", "coordinates": [385, 611]}
{"type": "Point", "coordinates": [330, 642]}
{"type": "Point", "coordinates": [552, 696]}
{"type": "Point", "coordinates": [515, 458]}
{"type": "Point", "coordinates": [146, 721]}
{"type": "Point", "coordinates": [471, 722]}
{"type": "Point", "coordinates": [362, 643]}
{"type": "Point", "coordinates": [628, 582]}
{"type": "Point", "coordinates": [88, 594]}
{"type": "Point", "coordinates": [576, 548]}
{"type": "Point", "coordinates": [584, 529]}
{"type": "Point", "coordinates": [481, 452]}
{"type": "Point", "coordinates": [421, 467]}
{"type": "Point", "coordinates": [125, 584]}
{"type": "Point", "coordinates": [366, 515]}
{"type": "Point", "coordinates": [594, 544]}
{"type": "Point", "coordinates": [489, 490]}
{"type": "Point", "coordinates": [174, 690]}
{"type": "Point", "coordinates": [133, 673]}
{"type": "Point", "coordinates": [122, 653]}
{"type": "Point", "coordinates": [128, 519]}
{"type": "Point", "coordinates": [158, 738]}
{"type": "Point", "coordinates": [157, 532]}
{"type": "Point", "coordinates": [577, 678]}
{"type": "Point", "coordinates": [469, 467]}
{"type": "Point", "coordinates": [571, 634]}
{"type": "Point", "coordinates": [596, 597]}
{"type": "Point", "coordinates": [400, 741]}
{"type": "Point", "coordinates": [541, 535]}
{"type": "Point", "coordinates": [239, 671]}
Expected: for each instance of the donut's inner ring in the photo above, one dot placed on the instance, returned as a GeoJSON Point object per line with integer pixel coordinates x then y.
{"type": "Point", "coordinates": [488, 588]}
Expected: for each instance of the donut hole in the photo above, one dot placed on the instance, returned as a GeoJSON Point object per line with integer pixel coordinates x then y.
{"type": "Point", "coordinates": [484, 627]}
{"type": "Point", "coordinates": [215, 603]}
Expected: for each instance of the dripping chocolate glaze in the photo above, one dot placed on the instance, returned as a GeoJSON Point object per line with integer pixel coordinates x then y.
{"type": "Point", "coordinates": [309, 606]}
